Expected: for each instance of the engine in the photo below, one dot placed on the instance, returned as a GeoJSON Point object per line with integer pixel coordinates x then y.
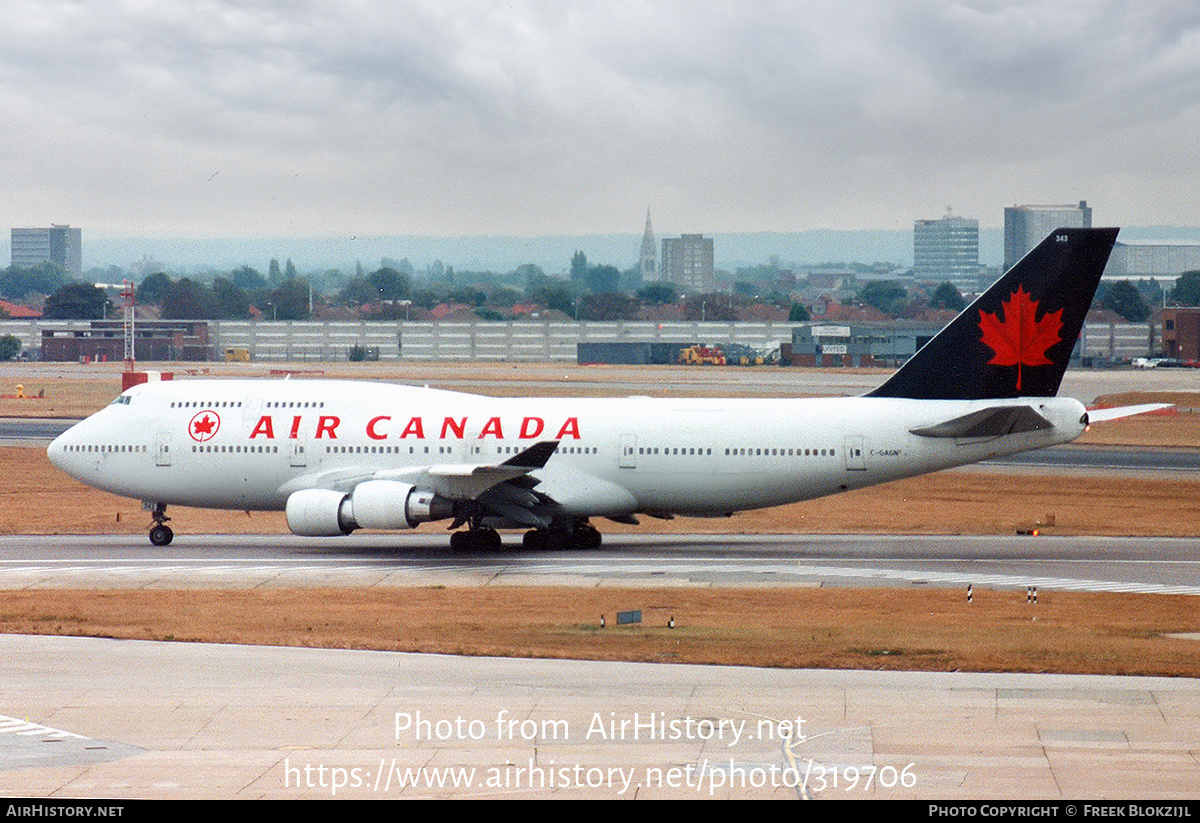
{"type": "Point", "coordinates": [375, 504]}
{"type": "Point", "coordinates": [320, 513]}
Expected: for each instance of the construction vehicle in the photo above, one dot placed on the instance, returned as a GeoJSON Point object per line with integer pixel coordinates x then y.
{"type": "Point", "coordinates": [737, 354]}
{"type": "Point", "coordinates": [701, 356]}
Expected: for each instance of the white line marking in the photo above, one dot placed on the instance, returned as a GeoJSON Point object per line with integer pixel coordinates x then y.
{"type": "Point", "coordinates": [11, 725]}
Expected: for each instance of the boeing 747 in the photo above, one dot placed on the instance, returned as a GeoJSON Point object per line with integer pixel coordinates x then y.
{"type": "Point", "coordinates": [339, 456]}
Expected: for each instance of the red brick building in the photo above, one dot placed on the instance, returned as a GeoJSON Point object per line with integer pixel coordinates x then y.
{"type": "Point", "coordinates": [1181, 333]}
{"type": "Point", "coordinates": [105, 340]}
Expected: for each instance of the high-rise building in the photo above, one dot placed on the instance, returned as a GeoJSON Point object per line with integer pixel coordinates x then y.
{"type": "Point", "coordinates": [62, 245]}
{"type": "Point", "coordinates": [649, 256]}
{"type": "Point", "coordinates": [947, 251]}
{"type": "Point", "coordinates": [688, 261]}
{"type": "Point", "coordinates": [1026, 226]}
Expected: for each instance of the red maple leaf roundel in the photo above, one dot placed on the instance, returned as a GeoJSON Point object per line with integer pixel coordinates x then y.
{"type": "Point", "coordinates": [1021, 338]}
{"type": "Point", "coordinates": [204, 425]}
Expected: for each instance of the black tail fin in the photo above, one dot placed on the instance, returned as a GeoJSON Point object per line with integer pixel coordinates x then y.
{"type": "Point", "coordinates": [1016, 339]}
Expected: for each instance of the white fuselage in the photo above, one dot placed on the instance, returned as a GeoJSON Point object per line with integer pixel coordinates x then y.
{"type": "Point", "coordinates": [247, 444]}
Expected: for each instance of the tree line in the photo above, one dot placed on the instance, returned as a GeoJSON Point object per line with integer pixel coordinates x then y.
{"type": "Point", "coordinates": [589, 292]}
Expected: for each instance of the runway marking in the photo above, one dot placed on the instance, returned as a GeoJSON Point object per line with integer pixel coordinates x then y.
{"type": "Point", "coordinates": [11, 725]}
{"type": "Point", "coordinates": [629, 568]}
{"type": "Point", "coordinates": [962, 578]}
{"type": "Point", "coordinates": [1093, 467]}
{"type": "Point", "coordinates": [956, 578]}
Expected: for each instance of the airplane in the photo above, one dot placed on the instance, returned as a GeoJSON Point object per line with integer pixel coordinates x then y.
{"type": "Point", "coordinates": [338, 456]}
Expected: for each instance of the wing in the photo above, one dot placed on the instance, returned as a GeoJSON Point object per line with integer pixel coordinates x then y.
{"type": "Point", "coordinates": [504, 493]}
{"type": "Point", "coordinates": [468, 481]}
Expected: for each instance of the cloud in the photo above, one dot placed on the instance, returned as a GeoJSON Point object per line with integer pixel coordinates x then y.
{"type": "Point", "coordinates": [224, 118]}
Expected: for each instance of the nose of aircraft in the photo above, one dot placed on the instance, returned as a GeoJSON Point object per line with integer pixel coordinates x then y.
{"type": "Point", "coordinates": [57, 450]}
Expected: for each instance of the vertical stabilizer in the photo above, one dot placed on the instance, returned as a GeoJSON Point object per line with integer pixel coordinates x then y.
{"type": "Point", "coordinates": [1015, 340]}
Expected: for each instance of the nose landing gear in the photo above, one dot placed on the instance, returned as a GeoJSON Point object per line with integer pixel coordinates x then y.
{"type": "Point", "coordinates": [160, 532]}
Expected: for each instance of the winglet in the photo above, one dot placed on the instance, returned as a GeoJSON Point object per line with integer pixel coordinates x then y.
{"type": "Point", "coordinates": [1016, 339]}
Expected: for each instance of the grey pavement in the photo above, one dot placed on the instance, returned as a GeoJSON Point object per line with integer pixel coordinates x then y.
{"type": "Point", "coordinates": [132, 719]}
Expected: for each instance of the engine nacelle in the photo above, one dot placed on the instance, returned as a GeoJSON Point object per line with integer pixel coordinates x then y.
{"type": "Point", "coordinates": [320, 513]}
{"type": "Point", "coordinates": [390, 505]}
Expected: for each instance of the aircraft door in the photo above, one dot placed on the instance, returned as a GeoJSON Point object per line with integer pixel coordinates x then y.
{"type": "Point", "coordinates": [162, 449]}
{"type": "Point", "coordinates": [855, 450]}
{"type": "Point", "coordinates": [299, 457]}
{"type": "Point", "coordinates": [251, 409]}
{"type": "Point", "coordinates": [628, 456]}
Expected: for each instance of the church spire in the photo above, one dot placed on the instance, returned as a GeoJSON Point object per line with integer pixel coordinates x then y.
{"type": "Point", "coordinates": [649, 257]}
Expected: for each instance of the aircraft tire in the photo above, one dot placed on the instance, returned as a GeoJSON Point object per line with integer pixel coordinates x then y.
{"type": "Point", "coordinates": [476, 540]}
{"type": "Point", "coordinates": [161, 535]}
{"type": "Point", "coordinates": [588, 537]}
{"type": "Point", "coordinates": [487, 540]}
{"type": "Point", "coordinates": [559, 540]}
{"type": "Point", "coordinates": [535, 540]}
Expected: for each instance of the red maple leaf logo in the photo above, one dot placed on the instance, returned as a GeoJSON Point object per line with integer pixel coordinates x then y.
{"type": "Point", "coordinates": [1020, 339]}
{"type": "Point", "coordinates": [204, 425]}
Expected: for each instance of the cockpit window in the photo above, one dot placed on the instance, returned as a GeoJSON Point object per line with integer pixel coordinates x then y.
{"type": "Point", "coordinates": [122, 400]}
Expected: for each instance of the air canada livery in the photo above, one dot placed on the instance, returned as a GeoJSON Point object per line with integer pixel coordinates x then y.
{"type": "Point", "coordinates": [339, 456]}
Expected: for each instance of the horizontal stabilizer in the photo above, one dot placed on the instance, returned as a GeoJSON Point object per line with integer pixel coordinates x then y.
{"type": "Point", "coordinates": [993, 422]}
{"type": "Point", "coordinates": [1117, 412]}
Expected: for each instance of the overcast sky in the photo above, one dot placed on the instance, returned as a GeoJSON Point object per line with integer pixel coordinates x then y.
{"type": "Point", "coordinates": [242, 119]}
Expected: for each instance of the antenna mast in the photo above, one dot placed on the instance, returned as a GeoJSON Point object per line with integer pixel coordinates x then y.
{"type": "Point", "coordinates": [127, 294]}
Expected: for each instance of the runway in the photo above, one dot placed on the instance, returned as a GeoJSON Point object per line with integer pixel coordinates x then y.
{"type": "Point", "coordinates": [1150, 565]}
{"type": "Point", "coordinates": [32, 430]}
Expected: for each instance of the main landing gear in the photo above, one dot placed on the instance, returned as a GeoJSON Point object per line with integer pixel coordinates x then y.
{"type": "Point", "coordinates": [160, 532]}
{"type": "Point", "coordinates": [559, 537]}
{"type": "Point", "coordinates": [579, 535]}
{"type": "Point", "coordinates": [480, 539]}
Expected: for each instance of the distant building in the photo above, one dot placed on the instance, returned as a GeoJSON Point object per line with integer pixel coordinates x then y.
{"type": "Point", "coordinates": [62, 245]}
{"type": "Point", "coordinates": [947, 251]}
{"type": "Point", "coordinates": [1162, 260]}
{"type": "Point", "coordinates": [18, 312]}
{"type": "Point", "coordinates": [1181, 333]}
{"type": "Point", "coordinates": [104, 340]}
{"type": "Point", "coordinates": [649, 256]}
{"type": "Point", "coordinates": [859, 343]}
{"type": "Point", "coordinates": [688, 262]}
{"type": "Point", "coordinates": [1026, 226]}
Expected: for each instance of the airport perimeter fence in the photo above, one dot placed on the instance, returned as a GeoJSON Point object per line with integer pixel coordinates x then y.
{"type": "Point", "coordinates": [516, 341]}
{"type": "Point", "coordinates": [491, 341]}
{"type": "Point", "coordinates": [404, 340]}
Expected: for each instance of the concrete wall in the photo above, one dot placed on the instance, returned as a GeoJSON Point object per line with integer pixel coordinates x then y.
{"type": "Point", "coordinates": [1119, 341]}
{"type": "Point", "coordinates": [547, 341]}
{"type": "Point", "coordinates": [472, 341]}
